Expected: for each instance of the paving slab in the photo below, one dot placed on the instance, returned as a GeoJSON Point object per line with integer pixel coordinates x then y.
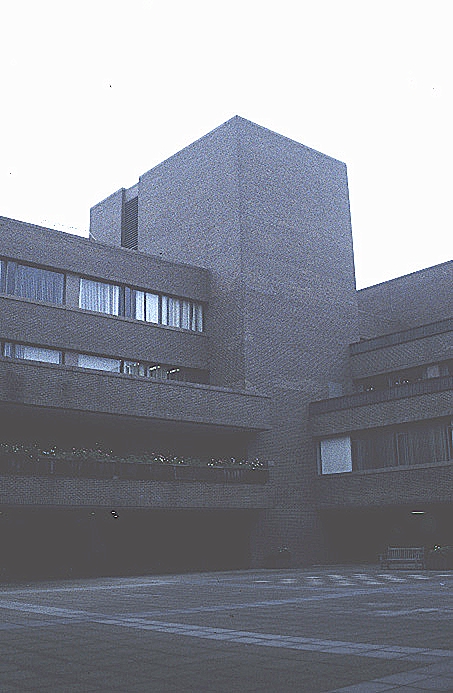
{"type": "Point", "coordinates": [324, 629]}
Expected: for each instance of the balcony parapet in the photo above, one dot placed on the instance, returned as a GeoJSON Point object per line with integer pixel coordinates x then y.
{"type": "Point", "coordinates": [67, 388]}
{"type": "Point", "coordinates": [76, 468]}
{"type": "Point", "coordinates": [361, 399]}
{"type": "Point", "coordinates": [401, 337]}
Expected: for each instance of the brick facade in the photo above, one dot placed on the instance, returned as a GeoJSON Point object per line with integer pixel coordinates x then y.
{"type": "Point", "coordinates": [256, 229]}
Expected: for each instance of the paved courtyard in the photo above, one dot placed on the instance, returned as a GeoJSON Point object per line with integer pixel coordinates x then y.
{"type": "Point", "coordinates": [324, 629]}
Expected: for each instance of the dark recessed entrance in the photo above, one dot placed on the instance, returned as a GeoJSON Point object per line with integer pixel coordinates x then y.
{"type": "Point", "coordinates": [361, 534]}
{"type": "Point", "coordinates": [42, 543]}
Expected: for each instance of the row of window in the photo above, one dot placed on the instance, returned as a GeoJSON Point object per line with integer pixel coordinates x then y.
{"type": "Point", "coordinates": [32, 353]}
{"type": "Point", "coordinates": [140, 305]}
{"type": "Point", "coordinates": [406, 377]}
{"type": "Point", "coordinates": [425, 442]}
{"type": "Point", "coordinates": [156, 371]}
{"type": "Point", "coordinates": [37, 284]}
{"type": "Point", "coordinates": [413, 444]}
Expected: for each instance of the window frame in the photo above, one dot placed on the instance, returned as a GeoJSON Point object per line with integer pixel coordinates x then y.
{"type": "Point", "coordinates": [14, 347]}
{"type": "Point", "coordinates": [8, 279]}
{"type": "Point", "coordinates": [177, 312]}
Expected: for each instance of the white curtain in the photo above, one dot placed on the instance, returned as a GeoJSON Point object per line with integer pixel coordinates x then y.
{"type": "Point", "coordinates": [103, 298]}
{"type": "Point", "coordinates": [152, 308]}
{"type": "Point", "coordinates": [174, 312]}
{"type": "Point", "coordinates": [37, 284]}
{"type": "Point", "coordinates": [31, 353]}
{"type": "Point", "coordinates": [140, 305]}
{"type": "Point", "coordinates": [99, 363]}
{"type": "Point", "coordinates": [197, 317]}
{"type": "Point", "coordinates": [186, 314]}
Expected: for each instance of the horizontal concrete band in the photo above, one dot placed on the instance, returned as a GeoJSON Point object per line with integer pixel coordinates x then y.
{"type": "Point", "coordinates": [381, 651]}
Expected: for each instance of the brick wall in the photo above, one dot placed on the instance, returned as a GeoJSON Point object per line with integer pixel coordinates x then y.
{"type": "Point", "coordinates": [407, 354]}
{"type": "Point", "coordinates": [420, 485]}
{"type": "Point", "coordinates": [408, 301]}
{"type": "Point", "coordinates": [269, 218]}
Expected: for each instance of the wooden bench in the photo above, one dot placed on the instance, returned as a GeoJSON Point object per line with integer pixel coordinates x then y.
{"type": "Point", "coordinates": [410, 557]}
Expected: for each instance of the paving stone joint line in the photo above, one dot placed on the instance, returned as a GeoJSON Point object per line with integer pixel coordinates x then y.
{"type": "Point", "coordinates": [265, 639]}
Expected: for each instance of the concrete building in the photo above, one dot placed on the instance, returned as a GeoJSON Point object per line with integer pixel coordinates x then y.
{"type": "Point", "coordinates": [200, 384]}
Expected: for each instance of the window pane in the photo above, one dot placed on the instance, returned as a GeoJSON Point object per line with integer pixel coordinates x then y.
{"type": "Point", "coordinates": [139, 313]}
{"type": "Point", "coordinates": [187, 307]}
{"type": "Point", "coordinates": [99, 363]}
{"type": "Point", "coordinates": [164, 316]}
{"type": "Point", "coordinates": [336, 455]}
{"type": "Point", "coordinates": [152, 308]}
{"type": "Point", "coordinates": [175, 374]}
{"type": "Point", "coordinates": [2, 276]}
{"type": "Point", "coordinates": [174, 309]}
{"type": "Point", "coordinates": [134, 304]}
{"type": "Point", "coordinates": [103, 298]}
{"type": "Point", "coordinates": [157, 372]}
{"type": "Point", "coordinates": [433, 371]}
{"type": "Point", "coordinates": [133, 368]}
{"type": "Point", "coordinates": [37, 354]}
{"type": "Point", "coordinates": [197, 317]}
{"type": "Point", "coordinates": [36, 284]}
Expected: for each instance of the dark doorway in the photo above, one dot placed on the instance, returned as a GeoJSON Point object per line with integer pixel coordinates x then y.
{"type": "Point", "coordinates": [361, 534]}
{"type": "Point", "coordinates": [44, 543]}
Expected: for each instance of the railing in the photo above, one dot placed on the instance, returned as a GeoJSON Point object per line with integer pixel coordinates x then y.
{"type": "Point", "coordinates": [13, 465]}
{"type": "Point", "coordinates": [403, 336]}
{"type": "Point", "coordinates": [360, 399]}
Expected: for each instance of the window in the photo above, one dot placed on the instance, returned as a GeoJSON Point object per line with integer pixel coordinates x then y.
{"type": "Point", "coordinates": [433, 371]}
{"type": "Point", "coordinates": [335, 455]}
{"type": "Point", "coordinates": [409, 376]}
{"type": "Point", "coordinates": [32, 353]}
{"type": "Point", "coordinates": [134, 368]}
{"type": "Point", "coordinates": [100, 297]}
{"type": "Point", "coordinates": [424, 442]}
{"type": "Point", "coordinates": [17, 279]}
{"type": "Point", "coordinates": [178, 312]}
{"type": "Point", "coordinates": [134, 304]}
{"type": "Point", "coordinates": [152, 308]}
{"type": "Point", "coordinates": [174, 374]}
{"type": "Point", "coordinates": [31, 282]}
{"type": "Point", "coordinates": [155, 371]}
{"type": "Point", "coordinates": [194, 312]}
{"type": "Point", "coordinates": [158, 371]}
{"type": "Point", "coordinates": [159, 309]}
{"type": "Point", "coordinates": [171, 311]}
{"type": "Point", "coordinates": [403, 448]}
{"type": "Point", "coordinates": [99, 363]}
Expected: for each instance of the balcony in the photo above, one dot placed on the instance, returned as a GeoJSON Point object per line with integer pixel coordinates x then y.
{"type": "Point", "coordinates": [402, 337]}
{"type": "Point", "coordinates": [66, 328]}
{"type": "Point", "coordinates": [416, 485]}
{"type": "Point", "coordinates": [86, 478]}
{"type": "Point", "coordinates": [28, 384]}
{"type": "Point", "coordinates": [428, 344]}
{"type": "Point", "coordinates": [427, 399]}
{"type": "Point", "coordinates": [45, 466]}
{"type": "Point", "coordinates": [361, 399]}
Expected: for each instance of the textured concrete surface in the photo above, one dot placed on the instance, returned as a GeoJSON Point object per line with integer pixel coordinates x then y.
{"type": "Point", "coordinates": [337, 629]}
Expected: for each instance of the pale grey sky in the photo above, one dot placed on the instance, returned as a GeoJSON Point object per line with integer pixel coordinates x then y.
{"type": "Point", "coordinates": [96, 92]}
